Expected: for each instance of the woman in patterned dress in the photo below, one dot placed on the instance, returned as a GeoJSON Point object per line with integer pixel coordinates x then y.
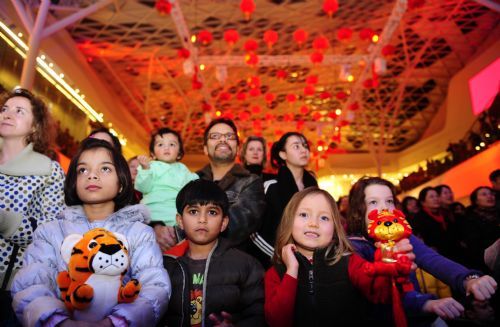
{"type": "Point", "coordinates": [31, 184]}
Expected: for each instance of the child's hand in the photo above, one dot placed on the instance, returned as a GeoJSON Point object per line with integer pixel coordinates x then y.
{"type": "Point", "coordinates": [165, 236]}
{"type": "Point", "coordinates": [144, 161]}
{"type": "Point", "coordinates": [289, 259]}
{"type": "Point", "coordinates": [446, 308]}
{"type": "Point", "coordinates": [222, 320]}
{"type": "Point", "coordinates": [481, 288]}
{"type": "Point", "coordinates": [404, 247]}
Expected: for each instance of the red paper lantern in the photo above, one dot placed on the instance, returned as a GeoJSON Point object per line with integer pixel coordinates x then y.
{"type": "Point", "coordinates": [316, 116]}
{"type": "Point", "coordinates": [242, 96]}
{"type": "Point", "coordinates": [414, 4]}
{"type": "Point", "coordinates": [244, 115]}
{"type": "Point", "coordinates": [256, 109]}
{"type": "Point", "coordinates": [313, 79]}
{"type": "Point", "coordinates": [291, 98]}
{"type": "Point", "coordinates": [300, 124]}
{"type": "Point", "coordinates": [270, 37]}
{"type": "Point", "coordinates": [251, 59]}
{"type": "Point", "coordinates": [231, 37]}
{"type": "Point", "coordinates": [254, 92]}
{"type": "Point", "coordinates": [247, 7]}
{"type": "Point", "coordinates": [269, 97]}
{"type": "Point", "coordinates": [325, 95]}
{"type": "Point", "coordinates": [251, 45]}
{"type": "Point", "coordinates": [183, 53]}
{"type": "Point", "coordinates": [163, 6]}
{"type": "Point", "coordinates": [269, 117]}
{"type": "Point", "coordinates": [253, 82]}
{"type": "Point", "coordinates": [225, 96]}
{"type": "Point", "coordinates": [388, 50]}
{"type": "Point", "coordinates": [205, 37]}
{"type": "Point", "coordinates": [257, 124]}
{"type": "Point", "coordinates": [195, 84]}
{"type": "Point", "coordinates": [300, 36]}
{"type": "Point", "coordinates": [366, 33]}
{"type": "Point", "coordinates": [330, 7]}
{"type": "Point", "coordinates": [304, 110]}
{"type": "Point", "coordinates": [309, 90]}
{"type": "Point", "coordinates": [281, 74]}
{"type": "Point", "coordinates": [316, 58]}
{"type": "Point", "coordinates": [206, 107]}
{"type": "Point", "coordinates": [354, 106]}
{"type": "Point", "coordinates": [343, 123]}
{"type": "Point", "coordinates": [321, 43]}
{"type": "Point", "coordinates": [228, 115]}
{"type": "Point", "coordinates": [344, 33]}
{"type": "Point", "coordinates": [332, 115]}
{"type": "Point", "coordinates": [288, 117]}
{"type": "Point", "coordinates": [341, 95]}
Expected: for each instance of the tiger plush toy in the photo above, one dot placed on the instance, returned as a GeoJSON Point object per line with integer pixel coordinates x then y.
{"type": "Point", "coordinates": [97, 262]}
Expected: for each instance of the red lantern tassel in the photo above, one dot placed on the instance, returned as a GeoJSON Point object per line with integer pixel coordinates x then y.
{"type": "Point", "coordinates": [397, 307]}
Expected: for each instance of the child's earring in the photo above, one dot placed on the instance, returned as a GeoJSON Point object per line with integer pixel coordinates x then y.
{"type": "Point", "coordinates": [121, 189]}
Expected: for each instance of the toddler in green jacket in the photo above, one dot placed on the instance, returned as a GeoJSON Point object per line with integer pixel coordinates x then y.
{"type": "Point", "coordinates": [160, 179]}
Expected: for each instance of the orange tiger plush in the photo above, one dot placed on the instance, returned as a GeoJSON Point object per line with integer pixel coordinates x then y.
{"type": "Point", "coordinates": [97, 262]}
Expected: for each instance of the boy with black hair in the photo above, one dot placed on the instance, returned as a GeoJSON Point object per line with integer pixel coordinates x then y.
{"type": "Point", "coordinates": [212, 283]}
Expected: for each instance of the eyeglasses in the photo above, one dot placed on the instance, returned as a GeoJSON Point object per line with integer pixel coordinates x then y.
{"type": "Point", "coordinates": [227, 136]}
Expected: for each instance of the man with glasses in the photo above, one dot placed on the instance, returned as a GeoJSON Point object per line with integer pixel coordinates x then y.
{"type": "Point", "coordinates": [244, 190]}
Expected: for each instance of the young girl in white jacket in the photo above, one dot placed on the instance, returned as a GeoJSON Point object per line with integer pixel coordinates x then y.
{"type": "Point", "coordinates": [98, 191]}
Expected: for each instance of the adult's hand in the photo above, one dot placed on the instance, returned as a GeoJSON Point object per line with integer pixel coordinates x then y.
{"type": "Point", "coordinates": [165, 236]}
{"type": "Point", "coordinates": [446, 308]}
{"type": "Point", "coordinates": [481, 288]}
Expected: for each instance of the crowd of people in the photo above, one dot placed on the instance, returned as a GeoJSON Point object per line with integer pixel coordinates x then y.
{"type": "Point", "coordinates": [150, 243]}
{"type": "Point", "coordinates": [484, 132]}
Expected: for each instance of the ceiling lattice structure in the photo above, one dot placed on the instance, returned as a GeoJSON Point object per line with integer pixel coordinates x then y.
{"type": "Point", "coordinates": [134, 49]}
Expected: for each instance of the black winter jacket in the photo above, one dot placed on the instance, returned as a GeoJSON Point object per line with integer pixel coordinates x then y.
{"type": "Point", "coordinates": [233, 283]}
{"type": "Point", "coordinates": [245, 192]}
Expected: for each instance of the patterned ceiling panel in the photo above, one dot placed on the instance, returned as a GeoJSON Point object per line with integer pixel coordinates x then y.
{"type": "Point", "coordinates": [135, 49]}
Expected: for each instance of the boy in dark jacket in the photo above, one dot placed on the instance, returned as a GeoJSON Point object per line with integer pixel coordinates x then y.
{"type": "Point", "coordinates": [212, 283]}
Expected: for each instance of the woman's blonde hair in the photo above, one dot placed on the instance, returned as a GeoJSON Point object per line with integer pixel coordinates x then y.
{"type": "Point", "coordinates": [336, 249]}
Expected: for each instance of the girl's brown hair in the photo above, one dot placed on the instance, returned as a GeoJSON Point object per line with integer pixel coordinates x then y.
{"type": "Point", "coordinates": [335, 250]}
{"type": "Point", "coordinates": [356, 212]}
{"type": "Point", "coordinates": [43, 131]}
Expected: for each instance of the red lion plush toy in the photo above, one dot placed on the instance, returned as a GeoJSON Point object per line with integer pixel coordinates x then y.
{"type": "Point", "coordinates": [388, 228]}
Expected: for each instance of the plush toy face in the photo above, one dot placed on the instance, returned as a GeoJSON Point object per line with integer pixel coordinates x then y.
{"type": "Point", "coordinates": [388, 226]}
{"type": "Point", "coordinates": [98, 251]}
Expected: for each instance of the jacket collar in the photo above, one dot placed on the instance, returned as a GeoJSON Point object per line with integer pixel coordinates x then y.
{"type": "Point", "coordinates": [236, 172]}
{"type": "Point", "coordinates": [125, 216]}
{"type": "Point", "coordinates": [181, 248]}
{"type": "Point", "coordinates": [27, 162]}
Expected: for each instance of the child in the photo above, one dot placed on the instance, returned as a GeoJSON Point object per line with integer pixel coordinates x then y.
{"type": "Point", "coordinates": [98, 189]}
{"type": "Point", "coordinates": [316, 280]}
{"type": "Point", "coordinates": [212, 283]}
{"type": "Point", "coordinates": [370, 193]}
{"type": "Point", "coordinates": [160, 180]}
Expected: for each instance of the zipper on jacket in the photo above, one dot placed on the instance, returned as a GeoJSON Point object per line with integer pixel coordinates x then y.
{"type": "Point", "coordinates": [183, 291]}
{"type": "Point", "coordinates": [310, 278]}
{"type": "Point", "coordinates": [205, 275]}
